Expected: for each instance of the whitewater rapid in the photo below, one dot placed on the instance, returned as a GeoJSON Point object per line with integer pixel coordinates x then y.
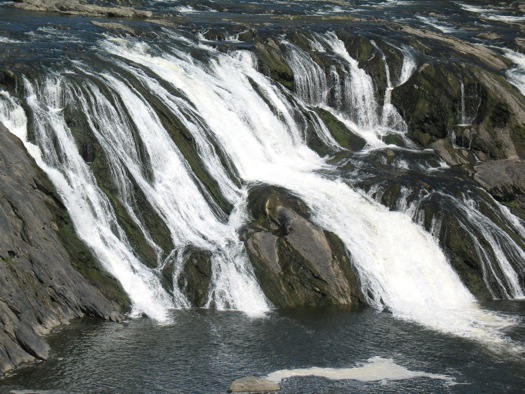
{"type": "Point", "coordinates": [247, 130]}
{"type": "Point", "coordinates": [400, 266]}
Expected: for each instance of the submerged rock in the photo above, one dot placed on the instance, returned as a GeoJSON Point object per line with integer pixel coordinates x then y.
{"type": "Point", "coordinates": [297, 263]}
{"type": "Point", "coordinates": [253, 385]}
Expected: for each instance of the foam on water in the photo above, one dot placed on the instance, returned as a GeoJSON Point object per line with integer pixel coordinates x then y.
{"type": "Point", "coordinates": [376, 369]}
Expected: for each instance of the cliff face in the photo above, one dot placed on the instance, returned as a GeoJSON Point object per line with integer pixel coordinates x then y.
{"type": "Point", "coordinates": [40, 283]}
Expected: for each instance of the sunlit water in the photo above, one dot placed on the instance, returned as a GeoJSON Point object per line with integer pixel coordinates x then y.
{"type": "Point", "coordinates": [204, 351]}
{"type": "Point", "coordinates": [464, 348]}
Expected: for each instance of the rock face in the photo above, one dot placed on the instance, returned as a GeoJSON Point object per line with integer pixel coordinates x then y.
{"type": "Point", "coordinates": [505, 180]}
{"type": "Point", "coordinates": [465, 110]}
{"type": "Point", "coordinates": [296, 262]}
{"type": "Point", "coordinates": [42, 284]}
{"type": "Point", "coordinates": [78, 7]}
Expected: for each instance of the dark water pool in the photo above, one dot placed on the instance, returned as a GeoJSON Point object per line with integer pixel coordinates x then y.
{"type": "Point", "coordinates": [204, 351]}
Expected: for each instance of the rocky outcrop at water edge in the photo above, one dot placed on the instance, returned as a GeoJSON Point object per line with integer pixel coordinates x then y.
{"type": "Point", "coordinates": [47, 276]}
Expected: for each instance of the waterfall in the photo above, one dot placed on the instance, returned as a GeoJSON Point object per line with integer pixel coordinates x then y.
{"type": "Point", "coordinates": [400, 266]}
{"type": "Point", "coordinates": [463, 120]}
{"type": "Point", "coordinates": [346, 90]}
{"type": "Point", "coordinates": [94, 219]}
{"type": "Point", "coordinates": [246, 130]}
{"type": "Point", "coordinates": [516, 73]}
{"type": "Point", "coordinates": [172, 192]}
{"type": "Point", "coordinates": [309, 78]}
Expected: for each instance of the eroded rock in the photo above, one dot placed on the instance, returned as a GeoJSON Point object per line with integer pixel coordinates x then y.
{"type": "Point", "coordinates": [41, 285]}
{"type": "Point", "coordinates": [76, 7]}
{"type": "Point", "coordinates": [296, 262]}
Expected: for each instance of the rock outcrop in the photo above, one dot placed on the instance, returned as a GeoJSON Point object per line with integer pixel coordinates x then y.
{"type": "Point", "coordinates": [79, 7]}
{"type": "Point", "coordinates": [47, 276]}
{"type": "Point", "coordinates": [505, 180]}
{"type": "Point", "coordinates": [253, 385]}
{"type": "Point", "coordinates": [296, 262]}
{"type": "Point", "coordinates": [465, 110]}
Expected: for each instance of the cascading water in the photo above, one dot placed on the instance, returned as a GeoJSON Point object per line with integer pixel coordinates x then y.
{"type": "Point", "coordinates": [346, 90]}
{"type": "Point", "coordinates": [93, 216]}
{"type": "Point", "coordinates": [400, 266]}
{"type": "Point", "coordinates": [172, 192]}
{"type": "Point", "coordinates": [243, 124]}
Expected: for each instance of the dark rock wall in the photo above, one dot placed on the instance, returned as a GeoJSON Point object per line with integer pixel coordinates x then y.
{"type": "Point", "coordinates": [47, 276]}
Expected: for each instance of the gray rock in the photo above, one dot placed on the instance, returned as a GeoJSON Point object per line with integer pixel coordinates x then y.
{"type": "Point", "coordinates": [296, 262]}
{"type": "Point", "coordinates": [253, 385]}
{"type": "Point", "coordinates": [40, 286]}
{"type": "Point", "coordinates": [114, 26]}
{"type": "Point", "coordinates": [504, 179]}
{"type": "Point", "coordinates": [76, 7]}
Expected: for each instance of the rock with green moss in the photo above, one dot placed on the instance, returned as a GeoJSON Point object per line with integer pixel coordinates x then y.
{"type": "Point", "coordinates": [296, 262]}
{"type": "Point", "coordinates": [47, 275]}
{"type": "Point", "coordinates": [466, 110]}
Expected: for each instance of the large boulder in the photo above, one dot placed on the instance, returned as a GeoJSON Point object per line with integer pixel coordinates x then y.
{"type": "Point", "coordinates": [42, 284]}
{"type": "Point", "coordinates": [296, 262]}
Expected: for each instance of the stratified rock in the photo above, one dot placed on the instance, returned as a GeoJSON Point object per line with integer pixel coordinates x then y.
{"type": "Point", "coordinates": [40, 283]}
{"type": "Point", "coordinates": [76, 7]}
{"type": "Point", "coordinates": [296, 262]}
{"type": "Point", "coordinates": [253, 385]}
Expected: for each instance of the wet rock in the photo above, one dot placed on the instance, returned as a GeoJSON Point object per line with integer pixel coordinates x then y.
{"type": "Point", "coordinates": [253, 385]}
{"type": "Point", "coordinates": [467, 114]}
{"type": "Point", "coordinates": [114, 26]}
{"type": "Point", "coordinates": [42, 284]}
{"type": "Point", "coordinates": [478, 53]}
{"type": "Point", "coordinates": [194, 279]}
{"type": "Point", "coordinates": [272, 62]}
{"type": "Point", "coordinates": [505, 181]}
{"type": "Point", "coordinates": [296, 262]}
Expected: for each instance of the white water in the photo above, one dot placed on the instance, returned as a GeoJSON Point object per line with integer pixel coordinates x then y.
{"type": "Point", "coordinates": [309, 78]}
{"type": "Point", "coordinates": [346, 90]}
{"type": "Point", "coordinates": [172, 193]}
{"type": "Point", "coordinates": [437, 24]}
{"type": "Point", "coordinates": [94, 219]}
{"type": "Point", "coordinates": [516, 74]}
{"type": "Point", "coordinates": [498, 240]}
{"type": "Point", "coordinates": [486, 237]}
{"type": "Point", "coordinates": [493, 13]}
{"type": "Point", "coordinates": [374, 370]}
{"type": "Point", "coordinates": [401, 267]}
